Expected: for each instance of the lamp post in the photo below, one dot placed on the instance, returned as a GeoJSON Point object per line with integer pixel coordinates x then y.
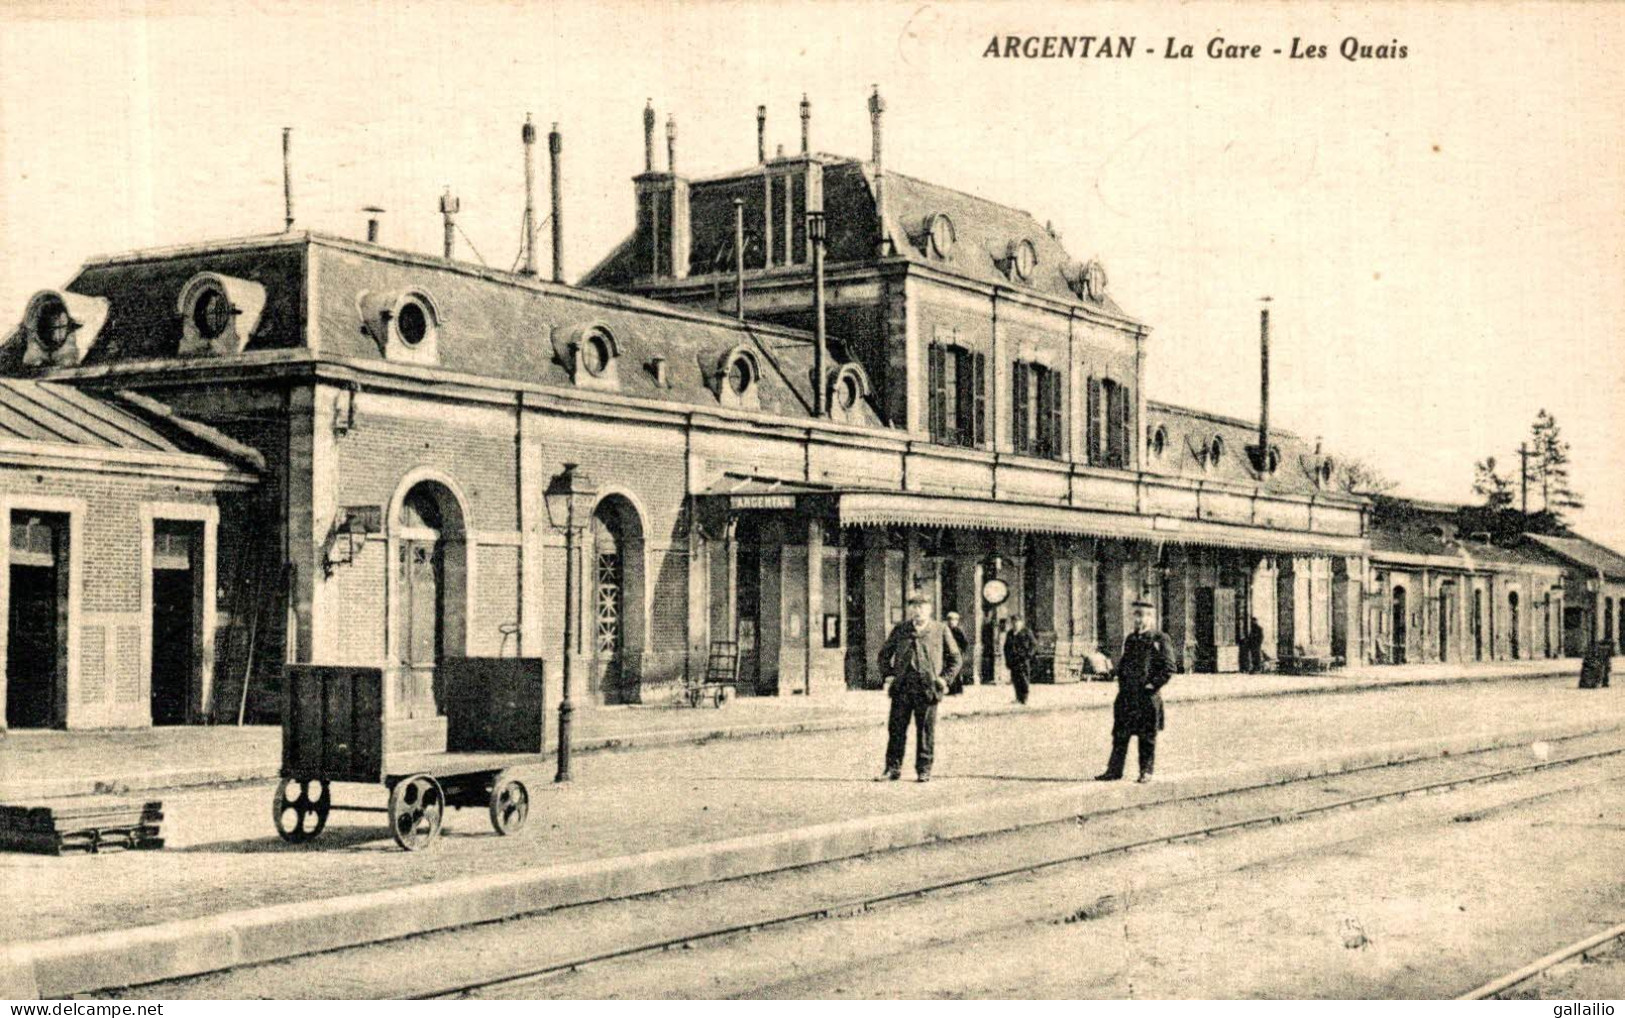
{"type": "Point", "coordinates": [817, 232]}
{"type": "Point", "coordinates": [569, 495]}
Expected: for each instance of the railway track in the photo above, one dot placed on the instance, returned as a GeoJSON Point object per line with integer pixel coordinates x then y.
{"type": "Point", "coordinates": [1495, 987]}
{"type": "Point", "coordinates": [869, 902]}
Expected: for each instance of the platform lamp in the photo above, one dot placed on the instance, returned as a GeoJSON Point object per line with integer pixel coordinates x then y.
{"type": "Point", "coordinates": [817, 232]}
{"type": "Point", "coordinates": [570, 497]}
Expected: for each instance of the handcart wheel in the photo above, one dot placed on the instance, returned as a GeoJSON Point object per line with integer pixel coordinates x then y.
{"type": "Point", "coordinates": [719, 697]}
{"type": "Point", "coordinates": [416, 807]}
{"type": "Point", "coordinates": [300, 809]}
{"type": "Point", "coordinates": [694, 696]}
{"type": "Point", "coordinates": [510, 804]}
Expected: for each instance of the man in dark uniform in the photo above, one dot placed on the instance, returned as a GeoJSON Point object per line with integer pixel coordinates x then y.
{"type": "Point", "coordinates": [957, 686]}
{"type": "Point", "coordinates": [1020, 650]}
{"type": "Point", "coordinates": [921, 658]}
{"type": "Point", "coordinates": [1144, 668]}
{"type": "Point", "coordinates": [1252, 649]}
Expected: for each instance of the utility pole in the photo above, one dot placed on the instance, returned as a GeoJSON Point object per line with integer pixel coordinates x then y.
{"type": "Point", "coordinates": [1523, 473]}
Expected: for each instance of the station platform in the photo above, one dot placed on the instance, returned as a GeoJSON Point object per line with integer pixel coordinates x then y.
{"type": "Point", "coordinates": [37, 764]}
{"type": "Point", "coordinates": [228, 891]}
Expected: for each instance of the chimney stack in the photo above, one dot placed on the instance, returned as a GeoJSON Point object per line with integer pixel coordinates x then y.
{"type": "Point", "coordinates": [877, 106]}
{"type": "Point", "coordinates": [527, 134]}
{"type": "Point", "coordinates": [1264, 388]}
{"type": "Point", "coordinates": [648, 136]}
{"type": "Point", "coordinates": [806, 123]}
{"type": "Point", "coordinates": [671, 144]}
{"type": "Point", "coordinates": [450, 205]}
{"type": "Point", "coordinates": [287, 179]}
{"type": "Point", "coordinates": [374, 213]}
{"type": "Point", "coordinates": [761, 134]}
{"type": "Point", "coordinates": [557, 184]}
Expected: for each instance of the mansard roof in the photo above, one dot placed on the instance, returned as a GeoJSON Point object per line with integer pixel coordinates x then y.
{"type": "Point", "coordinates": [490, 323]}
{"type": "Point", "coordinates": [1188, 436]}
{"type": "Point", "coordinates": [1585, 553]}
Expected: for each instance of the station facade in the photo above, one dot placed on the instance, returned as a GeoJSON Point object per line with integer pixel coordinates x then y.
{"type": "Point", "coordinates": [977, 425]}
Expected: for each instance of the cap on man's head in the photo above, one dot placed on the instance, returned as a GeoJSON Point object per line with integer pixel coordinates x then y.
{"type": "Point", "coordinates": [1144, 604]}
{"type": "Point", "coordinates": [918, 597]}
{"type": "Point", "coordinates": [953, 615]}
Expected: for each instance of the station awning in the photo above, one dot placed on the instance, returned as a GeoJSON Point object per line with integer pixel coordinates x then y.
{"type": "Point", "coordinates": [868, 509]}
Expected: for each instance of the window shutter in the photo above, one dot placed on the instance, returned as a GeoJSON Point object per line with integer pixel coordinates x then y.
{"type": "Point", "coordinates": [1056, 418]}
{"type": "Point", "coordinates": [979, 398]}
{"type": "Point", "coordinates": [1018, 407]}
{"type": "Point", "coordinates": [938, 397]}
{"type": "Point", "coordinates": [1125, 419]}
{"type": "Point", "coordinates": [964, 400]}
{"type": "Point", "coordinates": [1092, 440]}
{"type": "Point", "coordinates": [1114, 425]}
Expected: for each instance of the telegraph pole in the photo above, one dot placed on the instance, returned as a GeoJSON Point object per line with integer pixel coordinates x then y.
{"type": "Point", "coordinates": [1523, 473]}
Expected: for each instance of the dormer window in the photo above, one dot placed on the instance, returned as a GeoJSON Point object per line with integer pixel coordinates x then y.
{"type": "Point", "coordinates": [58, 328]}
{"type": "Point", "coordinates": [1272, 462]}
{"type": "Point", "coordinates": [847, 388]}
{"type": "Point", "coordinates": [1024, 259]}
{"type": "Point", "coordinates": [218, 314]}
{"type": "Point", "coordinates": [1215, 450]}
{"type": "Point", "coordinates": [52, 324]}
{"type": "Point", "coordinates": [412, 323]}
{"type": "Point", "coordinates": [1159, 441]}
{"type": "Point", "coordinates": [940, 235]}
{"type": "Point", "coordinates": [404, 323]}
{"type": "Point", "coordinates": [212, 313]}
{"type": "Point", "coordinates": [737, 377]}
{"type": "Point", "coordinates": [593, 356]}
{"type": "Point", "coordinates": [1326, 471]}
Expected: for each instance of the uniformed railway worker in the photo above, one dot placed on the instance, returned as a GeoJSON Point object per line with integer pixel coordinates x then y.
{"type": "Point", "coordinates": [1144, 668]}
{"type": "Point", "coordinates": [921, 658]}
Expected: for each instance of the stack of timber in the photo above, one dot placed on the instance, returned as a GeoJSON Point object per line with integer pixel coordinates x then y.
{"type": "Point", "coordinates": [81, 825]}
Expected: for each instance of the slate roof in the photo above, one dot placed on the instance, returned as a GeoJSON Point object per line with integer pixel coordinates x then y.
{"type": "Point", "coordinates": [1189, 433]}
{"type": "Point", "coordinates": [55, 414]}
{"type": "Point", "coordinates": [1584, 553]}
{"type": "Point", "coordinates": [984, 230]}
{"type": "Point", "coordinates": [1405, 527]}
{"type": "Point", "coordinates": [494, 324]}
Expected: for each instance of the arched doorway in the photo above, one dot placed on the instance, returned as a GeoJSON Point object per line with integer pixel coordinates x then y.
{"type": "Point", "coordinates": [615, 590]}
{"type": "Point", "coordinates": [1400, 629]}
{"type": "Point", "coordinates": [1444, 622]}
{"type": "Point", "coordinates": [431, 599]}
{"type": "Point", "coordinates": [1512, 630]}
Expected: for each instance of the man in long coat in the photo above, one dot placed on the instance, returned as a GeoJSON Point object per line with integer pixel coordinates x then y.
{"type": "Point", "coordinates": [1146, 664]}
{"type": "Point", "coordinates": [921, 658]}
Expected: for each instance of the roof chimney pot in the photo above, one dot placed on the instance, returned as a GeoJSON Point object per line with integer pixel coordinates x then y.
{"type": "Point", "coordinates": [374, 215]}
{"type": "Point", "coordinates": [806, 123]}
{"type": "Point", "coordinates": [761, 134]}
{"type": "Point", "coordinates": [648, 136]}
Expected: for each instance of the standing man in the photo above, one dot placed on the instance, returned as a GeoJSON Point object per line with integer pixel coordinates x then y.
{"type": "Point", "coordinates": [1253, 648]}
{"type": "Point", "coordinates": [1020, 651]}
{"type": "Point", "coordinates": [1144, 668]}
{"type": "Point", "coordinates": [921, 658]}
{"type": "Point", "coordinates": [961, 641]}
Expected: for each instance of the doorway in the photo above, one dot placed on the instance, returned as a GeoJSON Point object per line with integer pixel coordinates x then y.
{"type": "Point", "coordinates": [177, 618]}
{"type": "Point", "coordinates": [1478, 625]}
{"type": "Point", "coordinates": [1512, 631]}
{"type": "Point", "coordinates": [37, 616]}
{"type": "Point", "coordinates": [1401, 630]}
{"type": "Point", "coordinates": [432, 572]}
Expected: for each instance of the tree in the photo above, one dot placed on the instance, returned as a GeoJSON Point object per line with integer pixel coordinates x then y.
{"type": "Point", "coordinates": [1547, 467]}
{"type": "Point", "coordinates": [1491, 486]}
{"type": "Point", "coordinates": [1361, 478]}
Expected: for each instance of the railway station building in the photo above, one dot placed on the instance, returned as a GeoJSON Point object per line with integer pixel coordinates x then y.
{"type": "Point", "coordinates": [389, 429]}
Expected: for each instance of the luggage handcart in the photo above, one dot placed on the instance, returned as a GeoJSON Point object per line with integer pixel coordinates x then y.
{"type": "Point", "coordinates": [721, 680]}
{"type": "Point", "coordinates": [335, 730]}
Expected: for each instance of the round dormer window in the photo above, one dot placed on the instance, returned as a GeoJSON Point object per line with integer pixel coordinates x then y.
{"type": "Point", "coordinates": [846, 393]}
{"type": "Point", "coordinates": [941, 235]}
{"type": "Point", "coordinates": [1215, 450]}
{"type": "Point", "coordinates": [1026, 259]}
{"type": "Point", "coordinates": [52, 323]}
{"type": "Point", "coordinates": [1326, 471]}
{"type": "Point", "coordinates": [1159, 440]}
{"type": "Point", "coordinates": [412, 323]}
{"type": "Point", "coordinates": [1274, 460]}
{"type": "Point", "coordinates": [211, 313]}
{"type": "Point", "coordinates": [740, 375]}
{"type": "Point", "coordinates": [596, 354]}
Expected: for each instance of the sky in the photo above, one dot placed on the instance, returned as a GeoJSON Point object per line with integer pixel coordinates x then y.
{"type": "Point", "coordinates": [1442, 236]}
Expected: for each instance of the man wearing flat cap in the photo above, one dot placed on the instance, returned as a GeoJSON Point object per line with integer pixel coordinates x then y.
{"type": "Point", "coordinates": [1142, 670]}
{"type": "Point", "coordinates": [920, 658]}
